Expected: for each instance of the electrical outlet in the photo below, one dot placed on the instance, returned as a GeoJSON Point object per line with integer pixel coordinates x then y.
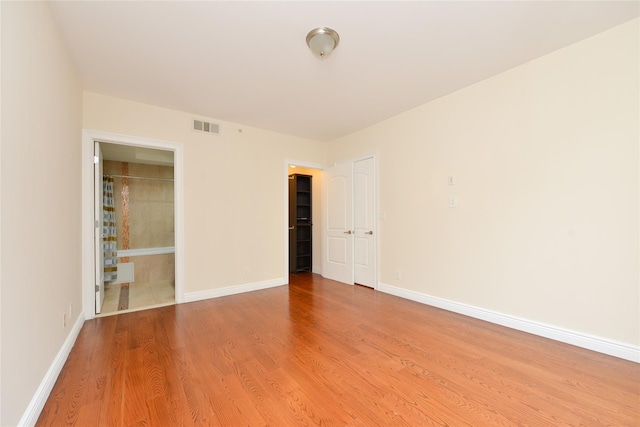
{"type": "Point", "coordinates": [451, 180]}
{"type": "Point", "coordinates": [397, 274]}
{"type": "Point", "coordinates": [64, 320]}
{"type": "Point", "coordinates": [246, 271]}
{"type": "Point", "coordinates": [453, 201]}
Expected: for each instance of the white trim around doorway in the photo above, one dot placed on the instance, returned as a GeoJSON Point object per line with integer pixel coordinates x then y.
{"type": "Point", "coordinates": [88, 139]}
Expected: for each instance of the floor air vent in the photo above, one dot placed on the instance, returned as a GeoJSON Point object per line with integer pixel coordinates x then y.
{"type": "Point", "coordinates": [208, 127]}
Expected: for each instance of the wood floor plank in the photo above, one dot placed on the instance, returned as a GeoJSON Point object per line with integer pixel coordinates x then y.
{"type": "Point", "coordinates": [111, 411]}
{"type": "Point", "coordinates": [321, 353]}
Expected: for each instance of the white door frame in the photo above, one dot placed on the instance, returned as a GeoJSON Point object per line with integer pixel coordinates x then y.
{"type": "Point", "coordinates": [98, 230]}
{"type": "Point", "coordinates": [88, 197]}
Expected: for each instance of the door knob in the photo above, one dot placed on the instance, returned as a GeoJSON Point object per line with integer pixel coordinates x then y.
{"type": "Point", "coordinates": [291, 228]}
{"type": "Point", "coordinates": [368, 232]}
{"type": "Point", "coordinates": [347, 232]}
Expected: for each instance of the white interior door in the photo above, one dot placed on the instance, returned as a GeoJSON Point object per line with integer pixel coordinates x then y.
{"type": "Point", "coordinates": [364, 222]}
{"type": "Point", "coordinates": [98, 222]}
{"type": "Point", "coordinates": [338, 223]}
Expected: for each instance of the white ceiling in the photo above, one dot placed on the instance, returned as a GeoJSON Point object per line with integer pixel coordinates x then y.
{"type": "Point", "coordinates": [247, 62]}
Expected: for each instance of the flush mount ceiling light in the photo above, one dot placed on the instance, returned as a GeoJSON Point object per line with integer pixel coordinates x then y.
{"type": "Point", "coordinates": [322, 41]}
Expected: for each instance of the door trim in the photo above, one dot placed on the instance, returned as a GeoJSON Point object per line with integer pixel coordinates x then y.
{"type": "Point", "coordinates": [88, 261]}
{"type": "Point", "coordinates": [98, 216]}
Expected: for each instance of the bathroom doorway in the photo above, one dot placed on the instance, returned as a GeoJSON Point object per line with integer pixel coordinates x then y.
{"type": "Point", "coordinates": [146, 183]}
{"type": "Point", "coordinates": [142, 183]}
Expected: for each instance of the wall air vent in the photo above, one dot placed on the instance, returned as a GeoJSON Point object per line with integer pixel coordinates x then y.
{"type": "Point", "coordinates": [208, 127]}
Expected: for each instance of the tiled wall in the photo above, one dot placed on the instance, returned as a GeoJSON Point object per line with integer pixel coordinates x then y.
{"type": "Point", "coordinates": [153, 268]}
{"type": "Point", "coordinates": [145, 217]}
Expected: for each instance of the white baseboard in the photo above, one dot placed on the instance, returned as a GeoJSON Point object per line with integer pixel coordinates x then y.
{"type": "Point", "coordinates": [233, 290]}
{"type": "Point", "coordinates": [30, 416]}
{"type": "Point", "coordinates": [601, 345]}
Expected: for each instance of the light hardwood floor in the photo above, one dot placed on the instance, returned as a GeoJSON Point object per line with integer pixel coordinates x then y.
{"type": "Point", "coordinates": [318, 352]}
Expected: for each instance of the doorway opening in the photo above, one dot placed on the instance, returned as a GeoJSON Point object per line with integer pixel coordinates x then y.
{"type": "Point", "coordinates": [142, 180]}
{"type": "Point", "coordinates": [145, 179]}
{"type": "Point", "coordinates": [304, 224]}
{"type": "Point", "coordinates": [345, 221]}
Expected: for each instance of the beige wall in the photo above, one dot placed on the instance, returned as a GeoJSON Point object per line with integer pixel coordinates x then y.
{"type": "Point", "coordinates": [234, 189]}
{"type": "Point", "coordinates": [545, 159]}
{"type": "Point", "coordinates": [40, 219]}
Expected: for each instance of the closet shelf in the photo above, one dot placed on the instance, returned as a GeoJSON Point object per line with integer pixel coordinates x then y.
{"type": "Point", "coordinates": [300, 239]}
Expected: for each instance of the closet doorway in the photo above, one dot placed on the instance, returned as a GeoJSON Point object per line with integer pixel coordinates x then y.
{"type": "Point", "coordinates": [345, 220]}
{"type": "Point", "coordinates": [139, 236]}
{"type": "Point", "coordinates": [304, 223]}
{"type": "Point", "coordinates": [350, 235]}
